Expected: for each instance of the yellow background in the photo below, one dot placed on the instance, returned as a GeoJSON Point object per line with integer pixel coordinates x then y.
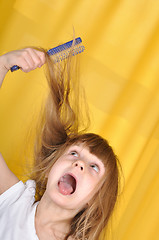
{"type": "Point", "coordinates": [120, 72]}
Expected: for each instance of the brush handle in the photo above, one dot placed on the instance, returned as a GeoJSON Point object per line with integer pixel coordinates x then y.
{"type": "Point", "coordinates": [62, 51]}
{"type": "Point", "coordinates": [14, 68]}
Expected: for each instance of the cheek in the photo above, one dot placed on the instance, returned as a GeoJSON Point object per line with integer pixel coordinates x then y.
{"type": "Point", "coordinates": [56, 170]}
{"type": "Point", "coordinates": [53, 174]}
{"type": "Point", "coordinates": [90, 186]}
{"type": "Point", "coordinates": [93, 185]}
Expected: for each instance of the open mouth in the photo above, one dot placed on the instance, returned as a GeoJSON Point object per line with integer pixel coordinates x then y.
{"type": "Point", "coordinates": [67, 184]}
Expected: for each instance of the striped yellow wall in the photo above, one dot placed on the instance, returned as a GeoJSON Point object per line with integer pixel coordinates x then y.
{"type": "Point", "coordinates": [120, 72]}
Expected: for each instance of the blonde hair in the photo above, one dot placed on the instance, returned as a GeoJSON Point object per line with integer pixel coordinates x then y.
{"type": "Point", "coordinates": [60, 128]}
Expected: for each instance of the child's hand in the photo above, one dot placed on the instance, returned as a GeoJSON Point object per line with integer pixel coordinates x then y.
{"type": "Point", "coordinates": [27, 59]}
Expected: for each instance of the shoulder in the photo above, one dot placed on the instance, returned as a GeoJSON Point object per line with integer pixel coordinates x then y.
{"type": "Point", "coordinates": [19, 192]}
{"type": "Point", "coordinates": [17, 210]}
{"type": "Point", "coordinates": [30, 186]}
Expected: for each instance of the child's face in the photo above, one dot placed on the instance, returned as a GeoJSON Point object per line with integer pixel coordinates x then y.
{"type": "Point", "coordinates": [74, 178]}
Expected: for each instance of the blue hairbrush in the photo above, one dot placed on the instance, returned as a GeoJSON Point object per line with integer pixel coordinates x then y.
{"type": "Point", "coordinates": [62, 51]}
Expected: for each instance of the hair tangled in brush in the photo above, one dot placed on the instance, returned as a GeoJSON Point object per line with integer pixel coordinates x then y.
{"type": "Point", "coordinates": [60, 128]}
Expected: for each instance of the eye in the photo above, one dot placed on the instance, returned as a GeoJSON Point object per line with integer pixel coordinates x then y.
{"type": "Point", "coordinates": [95, 167]}
{"type": "Point", "coordinates": [74, 153]}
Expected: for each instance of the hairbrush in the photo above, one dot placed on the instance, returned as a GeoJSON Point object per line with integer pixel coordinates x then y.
{"type": "Point", "coordinates": [62, 51]}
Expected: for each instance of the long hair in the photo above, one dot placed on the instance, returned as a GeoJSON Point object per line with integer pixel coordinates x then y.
{"type": "Point", "coordinates": [60, 128]}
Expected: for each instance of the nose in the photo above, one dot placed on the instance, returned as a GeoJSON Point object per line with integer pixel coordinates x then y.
{"type": "Point", "coordinates": [79, 164]}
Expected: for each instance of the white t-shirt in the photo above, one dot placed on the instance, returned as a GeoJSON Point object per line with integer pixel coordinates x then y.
{"type": "Point", "coordinates": [17, 212]}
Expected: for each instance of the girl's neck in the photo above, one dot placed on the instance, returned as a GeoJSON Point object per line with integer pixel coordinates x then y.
{"type": "Point", "coordinates": [51, 220]}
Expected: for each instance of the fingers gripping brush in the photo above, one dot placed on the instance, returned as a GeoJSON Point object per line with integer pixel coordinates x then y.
{"type": "Point", "coordinates": [62, 51]}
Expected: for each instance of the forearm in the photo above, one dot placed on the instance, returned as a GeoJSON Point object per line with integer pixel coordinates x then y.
{"type": "Point", "coordinates": [3, 70]}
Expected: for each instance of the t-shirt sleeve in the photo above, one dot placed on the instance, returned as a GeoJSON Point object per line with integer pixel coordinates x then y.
{"type": "Point", "coordinates": [17, 192]}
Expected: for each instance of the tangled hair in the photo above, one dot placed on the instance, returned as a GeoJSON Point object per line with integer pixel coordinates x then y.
{"type": "Point", "coordinates": [60, 128]}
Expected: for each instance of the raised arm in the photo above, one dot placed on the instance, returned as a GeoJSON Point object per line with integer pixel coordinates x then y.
{"type": "Point", "coordinates": [7, 177]}
{"type": "Point", "coordinates": [27, 59]}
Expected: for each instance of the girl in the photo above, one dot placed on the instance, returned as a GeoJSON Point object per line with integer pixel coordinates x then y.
{"type": "Point", "coordinates": [74, 183]}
